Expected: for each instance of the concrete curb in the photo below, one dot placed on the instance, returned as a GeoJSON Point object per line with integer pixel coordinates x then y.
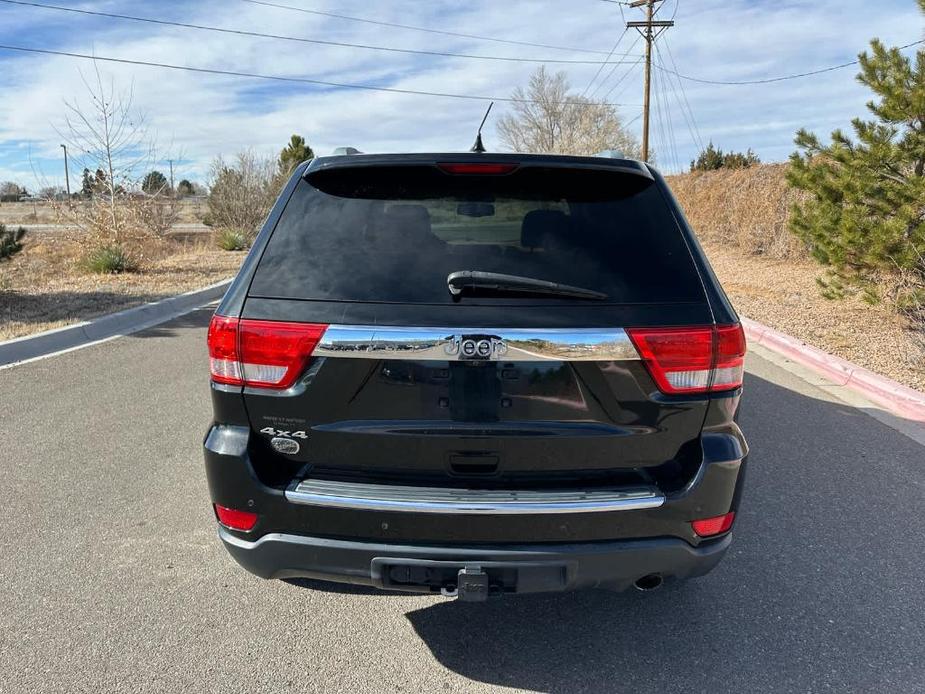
{"type": "Point", "coordinates": [111, 325]}
{"type": "Point", "coordinates": [896, 398]}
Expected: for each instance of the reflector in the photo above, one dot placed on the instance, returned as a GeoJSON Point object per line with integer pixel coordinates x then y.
{"type": "Point", "coordinates": [705, 527]}
{"type": "Point", "coordinates": [235, 519]}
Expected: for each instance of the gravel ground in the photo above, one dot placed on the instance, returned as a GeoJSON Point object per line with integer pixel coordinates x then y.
{"type": "Point", "coordinates": [783, 294]}
{"type": "Point", "coordinates": [41, 288]}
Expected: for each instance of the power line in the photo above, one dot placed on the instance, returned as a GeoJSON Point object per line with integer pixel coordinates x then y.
{"type": "Point", "coordinates": [659, 130]}
{"type": "Point", "coordinates": [665, 138]}
{"type": "Point", "coordinates": [298, 39]}
{"type": "Point", "coordinates": [623, 79]}
{"type": "Point", "coordinates": [630, 122]}
{"type": "Point", "coordinates": [685, 105]}
{"type": "Point", "coordinates": [616, 65]}
{"type": "Point", "coordinates": [650, 30]}
{"type": "Point", "coordinates": [782, 78]}
{"type": "Point", "coordinates": [428, 30]}
{"type": "Point", "coordinates": [278, 78]}
{"type": "Point", "coordinates": [601, 66]}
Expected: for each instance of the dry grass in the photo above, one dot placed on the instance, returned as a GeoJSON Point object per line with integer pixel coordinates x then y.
{"type": "Point", "coordinates": [42, 287]}
{"type": "Point", "coordinates": [190, 211]}
{"type": "Point", "coordinates": [783, 294]}
{"type": "Point", "coordinates": [744, 208]}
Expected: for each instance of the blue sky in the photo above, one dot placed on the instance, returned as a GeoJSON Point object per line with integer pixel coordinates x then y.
{"type": "Point", "coordinates": [194, 117]}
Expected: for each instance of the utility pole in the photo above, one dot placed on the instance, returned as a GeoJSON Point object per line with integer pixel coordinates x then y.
{"type": "Point", "coordinates": [170, 161]}
{"type": "Point", "coordinates": [650, 30]}
{"type": "Point", "coordinates": [67, 176]}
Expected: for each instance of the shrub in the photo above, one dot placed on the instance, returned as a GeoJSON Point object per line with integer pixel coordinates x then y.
{"type": "Point", "coordinates": [156, 215]}
{"type": "Point", "coordinates": [10, 241]}
{"type": "Point", "coordinates": [232, 240]}
{"type": "Point", "coordinates": [712, 159]}
{"type": "Point", "coordinates": [242, 192]}
{"type": "Point", "coordinates": [109, 259]}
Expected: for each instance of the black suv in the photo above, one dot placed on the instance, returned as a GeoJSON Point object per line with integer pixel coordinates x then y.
{"type": "Point", "coordinates": [476, 374]}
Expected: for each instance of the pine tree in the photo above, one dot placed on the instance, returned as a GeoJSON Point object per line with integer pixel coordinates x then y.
{"type": "Point", "coordinates": [864, 212]}
{"type": "Point", "coordinates": [294, 154]}
{"type": "Point", "coordinates": [713, 158]}
{"type": "Point", "coordinates": [186, 187]}
{"type": "Point", "coordinates": [86, 184]}
{"type": "Point", "coordinates": [155, 183]}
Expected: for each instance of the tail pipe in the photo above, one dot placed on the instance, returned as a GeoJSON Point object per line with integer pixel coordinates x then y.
{"type": "Point", "coordinates": [648, 582]}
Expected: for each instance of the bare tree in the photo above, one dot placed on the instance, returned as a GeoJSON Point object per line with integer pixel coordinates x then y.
{"type": "Point", "coordinates": [548, 118]}
{"type": "Point", "coordinates": [105, 134]}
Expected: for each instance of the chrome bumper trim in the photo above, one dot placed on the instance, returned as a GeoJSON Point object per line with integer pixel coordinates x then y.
{"type": "Point", "coordinates": [380, 497]}
{"type": "Point", "coordinates": [475, 344]}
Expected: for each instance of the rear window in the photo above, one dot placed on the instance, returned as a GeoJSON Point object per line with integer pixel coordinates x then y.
{"type": "Point", "coordinates": [393, 234]}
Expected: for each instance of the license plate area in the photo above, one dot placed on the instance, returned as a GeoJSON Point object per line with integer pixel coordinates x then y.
{"type": "Point", "coordinates": [468, 580]}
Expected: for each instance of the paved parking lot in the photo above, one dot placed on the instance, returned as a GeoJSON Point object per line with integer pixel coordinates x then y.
{"type": "Point", "coordinates": [112, 579]}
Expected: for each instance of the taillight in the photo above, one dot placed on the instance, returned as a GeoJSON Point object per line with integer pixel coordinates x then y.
{"type": "Point", "coordinates": [730, 357]}
{"type": "Point", "coordinates": [235, 519]}
{"type": "Point", "coordinates": [715, 525]}
{"type": "Point", "coordinates": [223, 350]}
{"type": "Point", "coordinates": [692, 360]}
{"type": "Point", "coordinates": [472, 168]}
{"type": "Point", "coordinates": [259, 353]}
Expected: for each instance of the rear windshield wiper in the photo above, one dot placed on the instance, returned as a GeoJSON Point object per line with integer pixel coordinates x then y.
{"type": "Point", "coordinates": [460, 281]}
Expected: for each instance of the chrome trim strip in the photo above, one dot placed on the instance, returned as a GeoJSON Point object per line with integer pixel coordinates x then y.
{"type": "Point", "coordinates": [381, 497]}
{"type": "Point", "coordinates": [486, 344]}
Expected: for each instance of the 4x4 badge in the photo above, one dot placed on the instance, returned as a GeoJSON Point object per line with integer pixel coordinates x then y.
{"type": "Point", "coordinates": [270, 431]}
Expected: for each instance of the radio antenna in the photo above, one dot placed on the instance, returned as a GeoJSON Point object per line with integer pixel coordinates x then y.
{"type": "Point", "coordinates": [478, 146]}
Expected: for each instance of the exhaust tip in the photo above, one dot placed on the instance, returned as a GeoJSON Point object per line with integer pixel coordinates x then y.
{"type": "Point", "coordinates": [648, 582]}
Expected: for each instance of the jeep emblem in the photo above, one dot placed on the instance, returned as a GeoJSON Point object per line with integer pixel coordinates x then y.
{"type": "Point", "coordinates": [476, 347]}
{"type": "Point", "coordinates": [283, 445]}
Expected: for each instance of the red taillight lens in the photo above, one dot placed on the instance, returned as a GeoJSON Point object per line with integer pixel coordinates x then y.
{"type": "Point", "coordinates": [730, 357]}
{"type": "Point", "coordinates": [483, 168]}
{"type": "Point", "coordinates": [263, 354]}
{"type": "Point", "coordinates": [223, 350]}
{"type": "Point", "coordinates": [692, 360]}
{"type": "Point", "coordinates": [235, 519]}
{"type": "Point", "coordinates": [273, 354]}
{"type": "Point", "coordinates": [705, 527]}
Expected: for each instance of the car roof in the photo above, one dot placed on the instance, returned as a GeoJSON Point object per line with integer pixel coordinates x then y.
{"type": "Point", "coordinates": [604, 162]}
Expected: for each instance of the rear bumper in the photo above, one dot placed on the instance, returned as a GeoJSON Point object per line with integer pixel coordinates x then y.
{"type": "Point", "coordinates": [613, 542]}
{"type": "Point", "coordinates": [521, 568]}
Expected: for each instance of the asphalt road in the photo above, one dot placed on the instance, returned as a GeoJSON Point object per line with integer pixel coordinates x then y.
{"type": "Point", "coordinates": [112, 579]}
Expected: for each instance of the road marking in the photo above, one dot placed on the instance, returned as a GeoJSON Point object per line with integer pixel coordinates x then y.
{"type": "Point", "coordinates": [208, 307]}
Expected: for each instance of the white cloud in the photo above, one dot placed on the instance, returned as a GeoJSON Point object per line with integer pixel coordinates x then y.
{"type": "Point", "coordinates": [203, 115]}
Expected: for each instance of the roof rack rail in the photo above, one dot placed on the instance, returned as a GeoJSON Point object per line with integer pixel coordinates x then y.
{"type": "Point", "coordinates": [346, 150]}
{"type": "Point", "coordinates": [611, 154]}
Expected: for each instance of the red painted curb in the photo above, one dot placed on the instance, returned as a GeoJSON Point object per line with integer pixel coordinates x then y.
{"type": "Point", "coordinates": [900, 400]}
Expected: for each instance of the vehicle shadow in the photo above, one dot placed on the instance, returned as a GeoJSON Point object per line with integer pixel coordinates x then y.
{"type": "Point", "coordinates": [818, 590]}
{"type": "Point", "coordinates": [25, 307]}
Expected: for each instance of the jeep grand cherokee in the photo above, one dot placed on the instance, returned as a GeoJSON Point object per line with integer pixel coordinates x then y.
{"type": "Point", "coordinates": [476, 374]}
